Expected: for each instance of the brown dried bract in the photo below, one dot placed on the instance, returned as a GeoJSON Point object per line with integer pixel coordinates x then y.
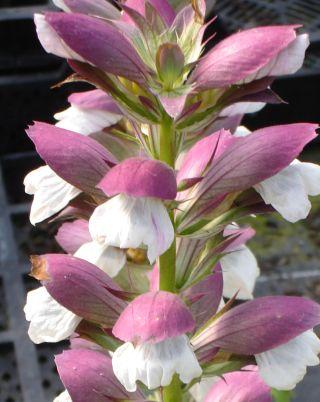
{"type": "Point", "coordinates": [38, 269]}
{"type": "Point", "coordinates": [198, 11]}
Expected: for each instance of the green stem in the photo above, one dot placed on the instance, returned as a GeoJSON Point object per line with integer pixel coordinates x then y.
{"type": "Point", "coordinates": [166, 134]}
{"type": "Point", "coordinates": [173, 392]}
{"type": "Point", "coordinates": [167, 261]}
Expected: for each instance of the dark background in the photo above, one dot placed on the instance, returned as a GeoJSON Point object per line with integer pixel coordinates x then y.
{"type": "Point", "coordinates": [288, 254]}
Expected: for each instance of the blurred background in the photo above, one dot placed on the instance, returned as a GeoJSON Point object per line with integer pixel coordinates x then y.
{"type": "Point", "coordinates": [288, 254]}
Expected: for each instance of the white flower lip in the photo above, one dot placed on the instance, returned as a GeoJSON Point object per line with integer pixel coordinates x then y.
{"type": "Point", "coordinates": [109, 259]}
{"type": "Point", "coordinates": [288, 190]}
{"type": "Point", "coordinates": [129, 222]}
{"type": "Point", "coordinates": [284, 366]}
{"type": "Point", "coordinates": [50, 40]}
{"type": "Point", "coordinates": [201, 388]}
{"type": "Point", "coordinates": [242, 108]}
{"type": "Point", "coordinates": [49, 321]}
{"type": "Point", "coordinates": [85, 121]}
{"type": "Point", "coordinates": [61, 4]}
{"type": "Point", "coordinates": [63, 397]}
{"type": "Point", "coordinates": [51, 193]}
{"type": "Point", "coordinates": [288, 61]}
{"type": "Point", "coordinates": [155, 364]}
{"type": "Point", "coordinates": [240, 271]}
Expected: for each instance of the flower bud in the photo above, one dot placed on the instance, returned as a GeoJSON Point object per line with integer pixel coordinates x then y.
{"type": "Point", "coordinates": [170, 63]}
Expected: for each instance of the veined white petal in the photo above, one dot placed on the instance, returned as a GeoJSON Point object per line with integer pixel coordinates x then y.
{"type": "Point", "coordinates": [201, 388]}
{"type": "Point", "coordinates": [240, 271]}
{"type": "Point", "coordinates": [109, 259]}
{"type": "Point", "coordinates": [288, 61]}
{"type": "Point", "coordinates": [310, 174]}
{"type": "Point", "coordinates": [221, 304]}
{"type": "Point", "coordinates": [129, 222]}
{"type": "Point", "coordinates": [85, 121]}
{"type": "Point", "coordinates": [154, 364]}
{"type": "Point", "coordinates": [51, 193]}
{"type": "Point", "coordinates": [242, 131]}
{"type": "Point", "coordinates": [123, 363]}
{"type": "Point", "coordinates": [145, 129]}
{"type": "Point", "coordinates": [286, 192]}
{"type": "Point", "coordinates": [49, 321]}
{"type": "Point", "coordinates": [63, 397]}
{"type": "Point", "coordinates": [284, 366]}
{"type": "Point", "coordinates": [61, 4]}
{"type": "Point", "coordinates": [242, 108]}
{"type": "Point", "coordinates": [51, 41]}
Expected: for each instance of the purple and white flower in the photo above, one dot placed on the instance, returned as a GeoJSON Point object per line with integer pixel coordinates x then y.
{"type": "Point", "coordinates": [50, 193]}
{"type": "Point", "coordinates": [136, 215]}
{"type": "Point", "coordinates": [153, 328]}
{"type": "Point", "coordinates": [89, 112]}
{"type": "Point", "coordinates": [49, 321]}
{"type": "Point", "coordinates": [284, 366]}
{"type": "Point", "coordinates": [288, 190]}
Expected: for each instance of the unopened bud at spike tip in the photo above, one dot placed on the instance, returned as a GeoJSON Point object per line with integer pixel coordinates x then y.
{"type": "Point", "coordinates": [170, 64]}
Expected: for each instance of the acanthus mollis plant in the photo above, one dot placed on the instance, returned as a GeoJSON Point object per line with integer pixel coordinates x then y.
{"type": "Point", "coordinates": [150, 176]}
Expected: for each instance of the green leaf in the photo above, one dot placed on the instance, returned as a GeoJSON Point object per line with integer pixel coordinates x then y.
{"type": "Point", "coordinates": [129, 102]}
{"type": "Point", "coordinates": [281, 396]}
{"type": "Point", "coordinates": [113, 86]}
{"type": "Point", "coordinates": [198, 121]}
{"type": "Point", "coordinates": [218, 369]}
{"type": "Point", "coordinates": [93, 333]}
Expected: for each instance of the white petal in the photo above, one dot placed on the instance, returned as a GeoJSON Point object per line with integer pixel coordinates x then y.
{"type": "Point", "coordinates": [129, 222]}
{"type": "Point", "coordinates": [201, 389]}
{"type": "Point", "coordinates": [221, 304]}
{"type": "Point", "coordinates": [287, 194]}
{"type": "Point", "coordinates": [288, 190]}
{"type": "Point", "coordinates": [154, 364]}
{"type": "Point", "coordinates": [310, 173]}
{"type": "Point", "coordinates": [242, 108]}
{"type": "Point", "coordinates": [85, 121]}
{"type": "Point", "coordinates": [51, 193]}
{"type": "Point", "coordinates": [50, 40]}
{"type": "Point", "coordinates": [63, 397]}
{"type": "Point", "coordinates": [288, 61]}
{"type": "Point", "coordinates": [240, 271]}
{"type": "Point", "coordinates": [123, 364]}
{"type": "Point", "coordinates": [49, 321]}
{"type": "Point", "coordinates": [242, 131]}
{"type": "Point", "coordinates": [145, 129]}
{"type": "Point", "coordinates": [284, 366]}
{"type": "Point", "coordinates": [108, 259]}
{"type": "Point", "coordinates": [61, 4]}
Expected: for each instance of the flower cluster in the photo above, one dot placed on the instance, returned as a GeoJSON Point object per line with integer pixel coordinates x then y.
{"type": "Point", "coordinates": [149, 176]}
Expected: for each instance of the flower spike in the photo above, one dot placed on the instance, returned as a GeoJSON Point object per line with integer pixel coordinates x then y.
{"type": "Point", "coordinates": [149, 173]}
